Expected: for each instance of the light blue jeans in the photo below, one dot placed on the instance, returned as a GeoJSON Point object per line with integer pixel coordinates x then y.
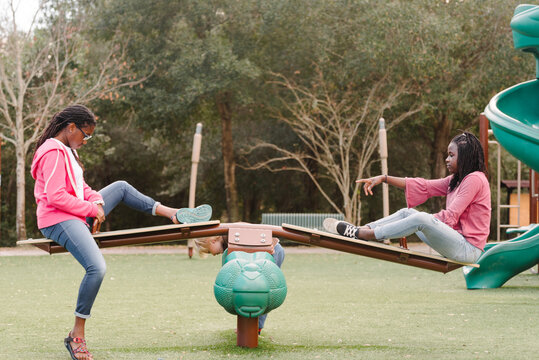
{"type": "Point", "coordinates": [433, 232]}
{"type": "Point", "coordinates": [278, 256]}
{"type": "Point", "coordinates": [75, 237]}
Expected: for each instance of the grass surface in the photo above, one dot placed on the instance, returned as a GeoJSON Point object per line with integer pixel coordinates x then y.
{"type": "Point", "coordinates": [339, 306]}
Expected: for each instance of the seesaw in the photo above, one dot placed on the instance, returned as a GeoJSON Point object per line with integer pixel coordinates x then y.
{"type": "Point", "coordinates": [167, 233]}
{"type": "Point", "coordinates": [249, 283]}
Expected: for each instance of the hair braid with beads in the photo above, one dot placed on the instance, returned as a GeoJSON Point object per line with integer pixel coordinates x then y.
{"type": "Point", "coordinates": [470, 158]}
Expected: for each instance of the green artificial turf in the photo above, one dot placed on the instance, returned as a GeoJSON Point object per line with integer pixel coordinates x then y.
{"type": "Point", "coordinates": [338, 306]}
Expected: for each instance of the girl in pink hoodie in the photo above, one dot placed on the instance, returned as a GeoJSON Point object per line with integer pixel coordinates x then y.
{"type": "Point", "coordinates": [460, 231]}
{"type": "Point", "coordinates": [69, 211]}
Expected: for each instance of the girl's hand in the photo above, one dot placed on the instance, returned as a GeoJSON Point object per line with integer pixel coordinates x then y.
{"type": "Point", "coordinates": [99, 219]}
{"type": "Point", "coordinates": [370, 183]}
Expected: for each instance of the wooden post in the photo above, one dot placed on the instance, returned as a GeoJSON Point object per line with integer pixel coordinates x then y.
{"type": "Point", "coordinates": [195, 158]}
{"type": "Point", "coordinates": [483, 136]}
{"type": "Point", "coordinates": [247, 332]}
{"type": "Point", "coordinates": [383, 157]}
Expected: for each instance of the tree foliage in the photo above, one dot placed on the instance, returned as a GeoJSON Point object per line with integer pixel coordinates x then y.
{"type": "Point", "coordinates": [216, 62]}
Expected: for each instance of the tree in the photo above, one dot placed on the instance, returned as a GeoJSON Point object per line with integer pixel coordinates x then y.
{"type": "Point", "coordinates": [45, 68]}
{"type": "Point", "coordinates": [337, 130]}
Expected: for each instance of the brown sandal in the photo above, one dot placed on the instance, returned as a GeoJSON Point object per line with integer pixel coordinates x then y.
{"type": "Point", "coordinates": [81, 349]}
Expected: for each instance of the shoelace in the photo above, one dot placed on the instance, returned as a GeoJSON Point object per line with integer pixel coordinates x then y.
{"type": "Point", "coordinates": [350, 231]}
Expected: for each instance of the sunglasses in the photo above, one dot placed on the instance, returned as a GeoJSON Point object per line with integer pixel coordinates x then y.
{"type": "Point", "coordinates": [86, 136]}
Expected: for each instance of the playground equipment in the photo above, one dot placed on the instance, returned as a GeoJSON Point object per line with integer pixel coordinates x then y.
{"type": "Point", "coordinates": [514, 112]}
{"type": "Point", "coordinates": [514, 119]}
{"type": "Point", "coordinates": [159, 234]}
{"type": "Point", "coordinates": [501, 261]}
{"type": "Point", "coordinates": [248, 300]}
{"type": "Point", "coordinates": [249, 285]}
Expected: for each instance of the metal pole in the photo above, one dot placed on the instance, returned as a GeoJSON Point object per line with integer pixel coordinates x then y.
{"type": "Point", "coordinates": [383, 156]}
{"type": "Point", "coordinates": [195, 158]}
{"type": "Point", "coordinates": [498, 189]}
{"type": "Point", "coordinates": [534, 197]}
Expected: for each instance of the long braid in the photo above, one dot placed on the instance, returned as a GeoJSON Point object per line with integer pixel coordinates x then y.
{"type": "Point", "coordinates": [80, 115]}
{"type": "Point", "coordinates": [470, 158]}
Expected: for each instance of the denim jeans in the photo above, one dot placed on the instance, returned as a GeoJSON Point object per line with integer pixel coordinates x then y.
{"type": "Point", "coordinates": [433, 232]}
{"type": "Point", "coordinates": [278, 256]}
{"type": "Point", "coordinates": [75, 237]}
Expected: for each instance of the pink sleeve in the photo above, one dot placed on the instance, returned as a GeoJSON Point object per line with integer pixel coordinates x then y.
{"type": "Point", "coordinates": [55, 175]}
{"type": "Point", "coordinates": [418, 190]}
{"type": "Point", "coordinates": [90, 194]}
{"type": "Point", "coordinates": [466, 194]}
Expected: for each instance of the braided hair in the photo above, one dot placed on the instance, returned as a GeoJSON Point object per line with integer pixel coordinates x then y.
{"type": "Point", "coordinates": [470, 158]}
{"type": "Point", "coordinates": [79, 115]}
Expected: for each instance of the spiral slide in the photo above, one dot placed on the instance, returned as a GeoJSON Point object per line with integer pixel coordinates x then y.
{"type": "Point", "coordinates": [514, 119]}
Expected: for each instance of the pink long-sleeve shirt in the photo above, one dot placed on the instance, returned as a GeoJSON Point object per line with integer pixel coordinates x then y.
{"type": "Point", "coordinates": [55, 186]}
{"type": "Point", "coordinates": [468, 206]}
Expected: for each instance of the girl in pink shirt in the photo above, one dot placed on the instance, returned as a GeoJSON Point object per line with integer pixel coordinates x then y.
{"type": "Point", "coordinates": [69, 211]}
{"type": "Point", "coordinates": [460, 231]}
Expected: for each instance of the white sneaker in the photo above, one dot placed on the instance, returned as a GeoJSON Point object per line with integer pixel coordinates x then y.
{"type": "Point", "coordinates": [330, 225]}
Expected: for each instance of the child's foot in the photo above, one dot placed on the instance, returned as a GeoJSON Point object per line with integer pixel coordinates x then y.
{"type": "Point", "coordinates": [77, 348]}
{"type": "Point", "coordinates": [347, 229]}
{"type": "Point", "coordinates": [343, 228]}
{"type": "Point", "coordinates": [194, 215]}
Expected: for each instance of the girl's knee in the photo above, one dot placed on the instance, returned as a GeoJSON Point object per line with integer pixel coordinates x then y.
{"type": "Point", "coordinates": [122, 184]}
{"type": "Point", "coordinates": [423, 216]}
{"type": "Point", "coordinates": [405, 212]}
{"type": "Point", "coordinates": [98, 269]}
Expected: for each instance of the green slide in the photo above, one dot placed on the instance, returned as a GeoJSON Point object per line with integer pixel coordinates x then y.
{"type": "Point", "coordinates": [514, 119]}
{"type": "Point", "coordinates": [501, 261]}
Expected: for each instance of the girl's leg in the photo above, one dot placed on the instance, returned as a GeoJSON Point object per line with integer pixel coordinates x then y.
{"type": "Point", "coordinates": [398, 215]}
{"type": "Point", "coordinates": [75, 237]}
{"type": "Point", "coordinates": [364, 232]}
{"type": "Point", "coordinates": [278, 255]}
{"type": "Point", "coordinates": [122, 191]}
{"type": "Point", "coordinates": [442, 238]}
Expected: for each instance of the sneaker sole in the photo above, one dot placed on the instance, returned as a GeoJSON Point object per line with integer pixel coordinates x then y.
{"type": "Point", "coordinates": [194, 215]}
{"type": "Point", "coordinates": [330, 225]}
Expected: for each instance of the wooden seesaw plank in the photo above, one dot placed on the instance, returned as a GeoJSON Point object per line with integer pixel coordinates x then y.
{"type": "Point", "coordinates": [376, 250]}
{"type": "Point", "coordinates": [148, 235]}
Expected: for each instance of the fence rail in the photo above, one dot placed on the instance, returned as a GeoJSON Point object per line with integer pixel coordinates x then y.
{"type": "Point", "coordinates": [308, 220]}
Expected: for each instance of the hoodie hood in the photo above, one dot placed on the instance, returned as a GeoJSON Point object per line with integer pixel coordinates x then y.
{"type": "Point", "coordinates": [49, 145]}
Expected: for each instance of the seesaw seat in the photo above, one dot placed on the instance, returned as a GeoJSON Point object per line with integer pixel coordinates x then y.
{"type": "Point", "coordinates": [378, 250]}
{"type": "Point", "coordinates": [148, 235]}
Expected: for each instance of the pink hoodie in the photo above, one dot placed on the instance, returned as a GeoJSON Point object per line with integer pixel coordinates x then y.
{"type": "Point", "coordinates": [55, 188]}
{"type": "Point", "coordinates": [467, 206]}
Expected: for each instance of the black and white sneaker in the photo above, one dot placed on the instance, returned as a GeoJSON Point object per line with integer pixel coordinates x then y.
{"type": "Point", "coordinates": [340, 227]}
{"type": "Point", "coordinates": [347, 229]}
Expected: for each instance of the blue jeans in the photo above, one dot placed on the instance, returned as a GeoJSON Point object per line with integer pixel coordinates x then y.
{"type": "Point", "coordinates": [75, 237]}
{"type": "Point", "coordinates": [278, 256]}
{"type": "Point", "coordinates": [433, 232]}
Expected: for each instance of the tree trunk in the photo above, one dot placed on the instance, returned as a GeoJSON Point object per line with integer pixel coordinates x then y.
{"type": "Point", "coordinates": [229, 163]}
{"type": "Point", "coordinates": [21, 185]}
{"type": "Point", "coordinates": [439, 169]}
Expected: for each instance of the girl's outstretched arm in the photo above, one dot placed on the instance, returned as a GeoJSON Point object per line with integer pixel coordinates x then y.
{"type": "Point", "coordinates": [369, 183]}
